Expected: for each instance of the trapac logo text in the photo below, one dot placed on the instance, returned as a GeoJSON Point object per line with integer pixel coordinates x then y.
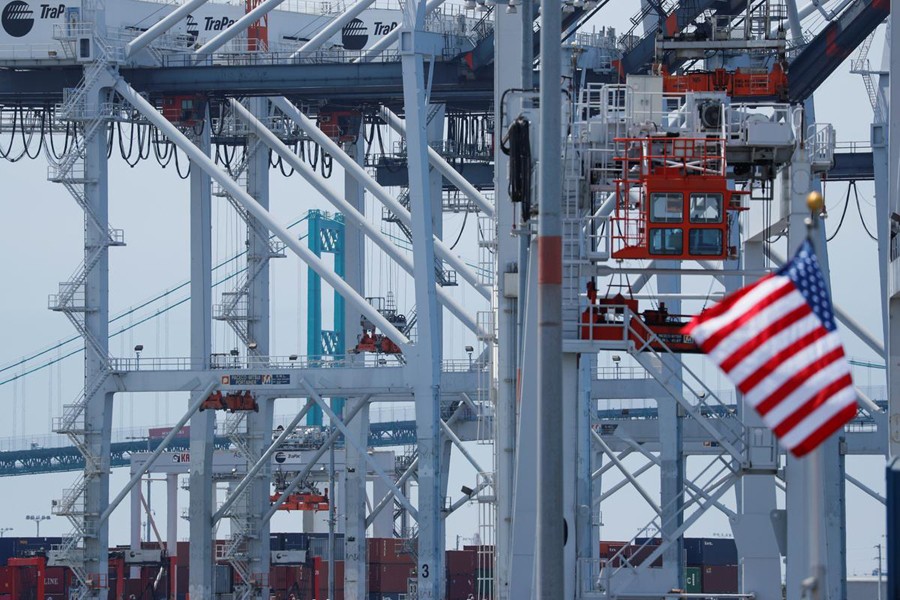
{"type": "Point", "coordinates": [18, 17]}
{"type": "Point", "coordinates": [52, 11]}
{"type": "Point", "coordinates": [217, 24]}
{"type": "Point", "coordinates": [382, 28]}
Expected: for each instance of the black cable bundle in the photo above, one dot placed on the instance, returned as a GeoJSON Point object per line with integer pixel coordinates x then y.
{"type": "Point", "coordinates": [518, 148]}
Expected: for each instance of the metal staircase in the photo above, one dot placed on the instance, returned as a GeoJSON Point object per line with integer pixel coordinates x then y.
{"type": "Point", "coordinates": [443, 277]}
{"type": "Point", "coordinates": [861, 66]}
{"type": "Point", "coordinates": [235, 550]}
{"type": "Point", "coordinates": [234, 308]}
{"type": "Point", "coordinates": [85, 107]}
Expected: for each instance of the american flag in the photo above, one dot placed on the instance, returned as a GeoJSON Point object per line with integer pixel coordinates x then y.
{"type": "Point", "coordinates": [777, 342]}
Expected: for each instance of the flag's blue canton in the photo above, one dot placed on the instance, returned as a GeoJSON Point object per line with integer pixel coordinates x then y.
{"type": "Point", "coordinates": [805, 273]}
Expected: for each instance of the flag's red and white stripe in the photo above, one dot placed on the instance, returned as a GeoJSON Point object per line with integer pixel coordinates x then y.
{"type": "Point", "coordinates": [776, 350]}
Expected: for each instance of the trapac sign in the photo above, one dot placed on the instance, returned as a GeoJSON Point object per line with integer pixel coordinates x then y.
{"type": "Point", "coordinates": [18, 17]}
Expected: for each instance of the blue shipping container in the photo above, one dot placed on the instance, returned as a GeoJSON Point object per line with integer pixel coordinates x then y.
{"type": "Point", "coordinates": [719, 552]}
{"type": "Point", "coordinates": [693, 552]}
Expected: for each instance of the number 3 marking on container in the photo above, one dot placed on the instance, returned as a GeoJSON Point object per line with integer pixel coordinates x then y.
{"type": "Point", "coordinates": [425, 571]}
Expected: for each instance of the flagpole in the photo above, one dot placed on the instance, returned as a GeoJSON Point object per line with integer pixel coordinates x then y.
{"type": "Point", "coordinates": [812, 587]}
{"type": "Point", "coordinates": [815, 463]}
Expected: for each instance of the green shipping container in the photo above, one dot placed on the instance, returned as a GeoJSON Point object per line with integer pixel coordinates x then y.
{"type": "Point", "coordinates": [692, 580]}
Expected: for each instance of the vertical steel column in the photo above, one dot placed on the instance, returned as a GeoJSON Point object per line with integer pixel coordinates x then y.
{"type": "Point", "coordinates": [425, 364]}
{"type": "Point", "coordinates": [550, 563]}
{"type": "Point", "coordinates": [353, 494]}
{"type": "Point", "coordinates": [758, 553]}
{"type": "Point", "coordinates": [581, 369]}
{"type": "Point", "coordinates": [892, 341]}
{"type": "Point", "coordinates": [135, 529]}
{"type": "Point", "coordinates": [99, 403]}
{"type": "Point", "coordinates": [435, 133]}
{"type": "Point", "coordinates": [523, 546]}
{"type": "Point", "coordinates": [671, 443]}
{"type": "Point", "coordinates": [202, 492]}
{"type": "Point", "coordinates": [172, 530]}
{"type": "Point", "coordinates": [508, 33]}
{"type": "Point", "coordinates": [259, 425]}
{"type": "Point", "coordinates": [830, 495]}
{"type": "Point", "coordinates": [892, 345]}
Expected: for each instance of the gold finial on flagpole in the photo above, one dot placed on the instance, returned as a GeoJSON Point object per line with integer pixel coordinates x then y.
{"type": "Point", "coordinates": [815, 202]}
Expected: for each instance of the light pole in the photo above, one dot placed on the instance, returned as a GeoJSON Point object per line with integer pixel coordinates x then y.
{"type": "Point", "coordinates": [878, 547]}
{"type": "Point", "coordinates": [137, 356]}
{"type": "Point", "coordinates": [4, 530]}
{"type": "Point", "coordinates": [37, 521]}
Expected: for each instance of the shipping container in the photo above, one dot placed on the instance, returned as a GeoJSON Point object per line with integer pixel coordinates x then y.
{"type": "Point", "coordinates": [639, 554]}
{"type": "Point", "coordinates": [718, 552]}
{"type": "Point", "coordinates": [389, 577]}
{"type": "Point", "coordinates": [7, 549]}
{"type": "Point", "coordinates": [720, 579]}
{"type": "Point", "coordinates": [322, 575]}
{"type": "Point", "coordinates": [318, 546]}
{"type": "Point", "coordinates": [460, 587]}
{"type": "Point", "coordinates": [615, 552]}
{"type": "Point", "coordinates": [692, 580]}
{"type": "Point", "coordinates": [693, 552]}
{"type": "Point", "coordinates": [461, 562]}
{"type": "Point", "coordinates": [389, 551]}
{"type": "Point", "coordinates": [56, 582]}
{"type": "Point", "coordinates": [276, 541]}
{"type": "Point", "coordinates": [300, 541]}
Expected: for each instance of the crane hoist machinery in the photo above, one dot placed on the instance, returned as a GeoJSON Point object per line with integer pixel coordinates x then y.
{"type": "Point", "coordinates": [232, 401]}
{"type": "Point", "coordinates": [185, 110]}
{"type": "Point", "coordinates": [306, 497]}
{"type": "Point", "coordinates": [372, 341]}
{"type": "Point", "coordinates": [311, 500]}
{"type": "Point", "coordinates": [672, 199]}
{"type": "Point", "coordinates": [616, 318]}
{"type": "Point", "coordinates": [341, 124]}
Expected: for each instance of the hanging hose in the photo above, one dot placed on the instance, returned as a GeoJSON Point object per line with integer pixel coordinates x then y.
{"type": "Point", "coordinates": [843, 212]}
{"type": "Point", "coordinates": [518, 149]}
{"type": "Point", "coordinates": [859, 210]}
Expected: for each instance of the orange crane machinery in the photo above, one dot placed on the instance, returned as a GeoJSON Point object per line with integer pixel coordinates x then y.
{"type": "Point", "coordinates": [378, 343]}
{"type": "Point", "coordinates": [258, 31]}
{"type": "Point", "coordinates": [341, 124]}
{"type": "Point", "coordinates": [616, 319]}
{"type": "Point", "coordinates": [232, 401]}
{"type": "Point", "coordinates": [309, 500]}
{"type": "Point", "coordinates": [672, 199]}
{"type": "Point", "coordinates": [740, 83]}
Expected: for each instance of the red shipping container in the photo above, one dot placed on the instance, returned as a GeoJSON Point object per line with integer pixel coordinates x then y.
{"type": "Point", "coordinates": [55, 581]}
{"type": "Point", "coordinates": [638, 554]}
{"type": "Point", "coordinates": [388, 551]}
{"type": "Point", "coordinates": [388, 578]}
{"type": "Point", "coordinates": [182, 578]}
{"type": "Point", "coordinates": [720, 580]}
{"type": "Point", "coordinates": [4, 580]}
{"type": "Point", "coordinates": [461, 562]}
{"type": "Point", "coordinates": [338, 578]}
{"type": "Point", "coordinates": [460, 587]}
{"type": "Point", "coordinates": [184, 549]}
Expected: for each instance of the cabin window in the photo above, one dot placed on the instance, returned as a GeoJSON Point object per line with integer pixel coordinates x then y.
{"type": "Point", "coordinates": [706, 208]}
{"type": "Point", "coordinates": [705, 242]}
{"type": "Point", "coordinates": [666, 241]}
{"type": "Point", "coordinates": [666, 207]}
